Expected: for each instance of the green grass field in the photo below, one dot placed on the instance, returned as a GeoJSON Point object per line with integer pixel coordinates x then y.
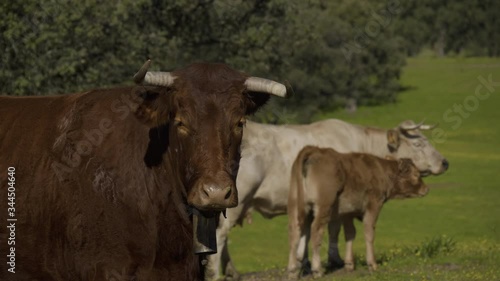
{"type": "Point", "coordinates": [462, 210]}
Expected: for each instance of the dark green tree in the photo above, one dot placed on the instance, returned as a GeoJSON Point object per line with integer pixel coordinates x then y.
{"type": "Point", "coordinates": [327, 52]}
{"type": "Point", "coordinates": [450, 27]}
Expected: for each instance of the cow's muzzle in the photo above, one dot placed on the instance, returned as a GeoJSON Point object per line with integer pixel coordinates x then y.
{"type": "Point", "coordinates": [210, 197]}
{"type": "Point", "coordinates": [423, 190]}
{"type": "Point", "coordinates": [437, 169]}
{"type": "Point", "coordinates": [445, 164]}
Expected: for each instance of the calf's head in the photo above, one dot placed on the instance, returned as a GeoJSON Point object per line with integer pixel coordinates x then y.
{"type": "Point", "coordinates": [407, 141]}
{"type": "Point", "coordinates": [408, 181]}
{"type": "Point", "coordinates": [202, 110]}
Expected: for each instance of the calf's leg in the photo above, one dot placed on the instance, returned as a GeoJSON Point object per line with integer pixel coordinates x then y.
{"type": "Point", "coordinates": [369, 221]}
{"type": "Point", "coordinates": [321, 219]}
{"type": "Point", "coordinates": [350, 234]}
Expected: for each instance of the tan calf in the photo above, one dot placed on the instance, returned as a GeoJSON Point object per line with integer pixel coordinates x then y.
{"type": "Point", "coordinates": [327, 185]}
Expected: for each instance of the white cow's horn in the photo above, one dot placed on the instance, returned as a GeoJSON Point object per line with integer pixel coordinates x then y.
{"type": "Point", "coordinates": [153, 78]}
{"type": "Point", "coordinates": [411, 127]}
{"type": "Point", "coordinates": [262, 85]}
{"type": "Point", "coordinates": [428, 127]}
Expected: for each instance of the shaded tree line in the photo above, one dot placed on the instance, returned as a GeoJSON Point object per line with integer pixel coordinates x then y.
{"type": "Point", "coordinates": [470, 28]}
{"type": "Point", "coordinates": [329, 53]}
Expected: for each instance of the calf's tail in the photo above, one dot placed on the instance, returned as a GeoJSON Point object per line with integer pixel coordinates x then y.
{"type": "Point", "coordinates": [296, 198]}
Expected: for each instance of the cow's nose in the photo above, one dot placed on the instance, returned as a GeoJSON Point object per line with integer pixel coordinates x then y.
{"type": "Point", "coordinates": [445, 164]}
{"type": "Point", "coordinates": [213, 196]}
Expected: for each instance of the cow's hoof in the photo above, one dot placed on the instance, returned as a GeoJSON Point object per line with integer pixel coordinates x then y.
{"type": "Point", "coordinates": [349, 266]}
{"type": "Point", "coordinates": [306, 269]}
{"type": "Point", "coordinates": [235, 277]}
{"type": "Point", "coordinates": [293, 275]}
{"type": "Point", "coordinates": [210, 274]}
{"type": "Point", "coordinates": [373, 267]}
{"type": "Point", "coordinates": [334, 264]}
{"type": "Point", "coordinates": [317, 274]}
{"type": "Point", "coordinates": [231, 274]}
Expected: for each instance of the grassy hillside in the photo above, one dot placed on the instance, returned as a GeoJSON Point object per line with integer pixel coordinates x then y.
{"type": "Point", "coordinates": [454, 232]}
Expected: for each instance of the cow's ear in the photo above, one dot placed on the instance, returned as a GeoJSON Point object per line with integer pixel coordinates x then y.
{"type": "Point", "coordinates": [254, 100]}
{"type": "Point", "coordinates": [393, 140]}
{"type": "Point", "coordinates": [404, 165]}
{"type": "Point", "coordinates": [152, 105]}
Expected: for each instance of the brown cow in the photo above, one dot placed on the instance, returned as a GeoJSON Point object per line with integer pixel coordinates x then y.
{"type": "Point", "coordinates": [102, 183]}
{"type": "Point", "coordinates": [329, 185]}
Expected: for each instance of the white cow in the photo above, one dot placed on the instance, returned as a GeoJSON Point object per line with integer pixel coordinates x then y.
{"type": "Point", "coordinates": [268, 152]}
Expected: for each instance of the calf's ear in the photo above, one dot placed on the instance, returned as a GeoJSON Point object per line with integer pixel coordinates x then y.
{"type": "Point", "coordinates": [152, 105]}
{"type": "Point", "coordinates": [393, 140]}
{"type": "Point", "coordinates": [404, 165]}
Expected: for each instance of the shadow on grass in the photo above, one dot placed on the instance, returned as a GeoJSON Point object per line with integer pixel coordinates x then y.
{"type": "Point", "coordinates": [406, 88]}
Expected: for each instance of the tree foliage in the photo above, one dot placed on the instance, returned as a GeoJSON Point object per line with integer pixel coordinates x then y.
{"type": "Point", "coordinates": [451, 27]}
{"type": "Point", "coordinates": [329, 53]}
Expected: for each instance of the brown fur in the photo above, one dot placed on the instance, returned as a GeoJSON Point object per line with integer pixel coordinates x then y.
{"type": "Point", "coordinates": [104, 178]}
{"type": "Point", "coordinates": [334, 186]}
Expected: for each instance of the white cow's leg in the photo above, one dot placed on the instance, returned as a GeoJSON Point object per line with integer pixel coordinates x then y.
{"type": "Point", "coordinates": [334, 259]}
{"type": "Point", "coordinates": [350, 234]}
{"type": "Point", "coordinates": [228, 268]}
{"type": "Point", "coordinates": [227, 265]}
{"type": "Point", "coordinates": [222, 258]}
{"type": "Point", "coordinates": [302, 247]}
{"type": "Point", "coordinates": [214, 261]}
{"type": "Point", "coordinates": [369, 221]}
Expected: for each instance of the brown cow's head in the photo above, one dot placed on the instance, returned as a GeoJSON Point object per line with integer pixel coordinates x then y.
{"type": "Point", "coordinates": [200, 112]}
{"type": "Point", "coordinates": [408, 182]}
{"type": "Point", "coordinates": [406, 141]}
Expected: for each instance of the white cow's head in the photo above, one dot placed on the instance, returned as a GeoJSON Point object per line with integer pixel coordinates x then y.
{"type": "Point", "coordinates": [407, 141]}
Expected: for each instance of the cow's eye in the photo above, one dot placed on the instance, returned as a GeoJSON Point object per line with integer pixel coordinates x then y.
{"type": "Point", "coordinates": [241, 123]}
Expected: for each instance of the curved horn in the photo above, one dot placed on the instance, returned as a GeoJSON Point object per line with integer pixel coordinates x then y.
{"type": "Point", "coordinates": [153, 78]}
{"type": "Point", "coordinates": [428, 127]}
{"type": "Point", "coordinates": [139, 76]}
{"type": "Point", "coordinates": [411, 127]}
{"type": "Point", "coordinates": [262, 85]}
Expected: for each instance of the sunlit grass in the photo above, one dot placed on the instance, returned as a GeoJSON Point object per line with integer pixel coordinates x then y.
{"type": "Point", "coordinates": [463, 204]}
